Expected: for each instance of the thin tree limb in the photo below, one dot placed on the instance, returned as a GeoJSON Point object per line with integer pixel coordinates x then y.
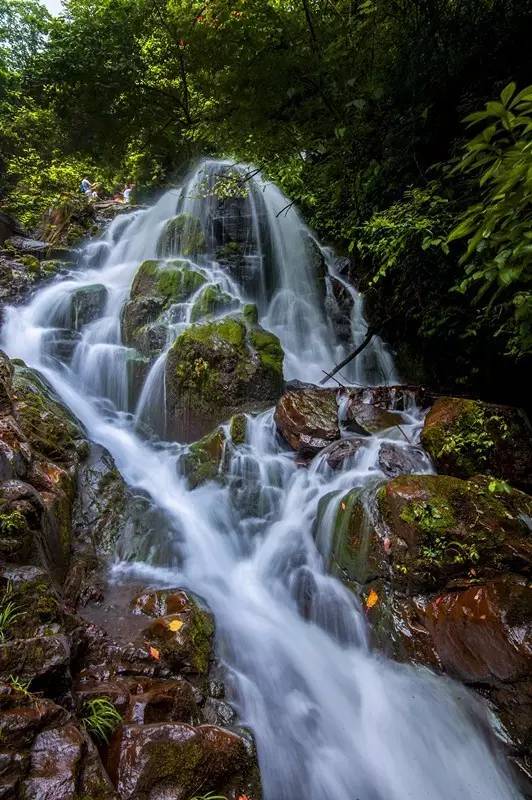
{"type": "Point", "coordinates": [369, 336]}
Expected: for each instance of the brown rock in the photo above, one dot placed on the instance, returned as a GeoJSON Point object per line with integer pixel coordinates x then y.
{"type": "Point", "coordinates": [168, 761]}
{"type": "Point", "coordinates": [484, 633]}
{"type": "Point", "coordinates": [308, 418]}
{"type": "Point", "coordinates": [365, 418]}
{"type": "Point", "coordinates": [337, 453]}
{"type": "Point", "coordinates": [44, 660]}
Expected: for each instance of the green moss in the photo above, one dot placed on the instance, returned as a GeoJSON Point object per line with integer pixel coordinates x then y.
{"type": "Point", "coordinates": [250, 314]}
{"type": "Point", "coordinates": [48, 425]}
{"type": "Point", "coordinates": [238, 428]}
{"type": "Point", "coordinates": [200, 632]}
{"type": "Point", "coordinates": [32, 264]}
{"type": "Point", "coordinates": [212, 300]}
{"type": "Point", "coordinates": [462, 436]}
{"type": "Point", "coordinates": [183, 235]}
{"type": "Point", "coordinates": [269, 349]}
{"type": "Point", "coordinates": [204, 458]}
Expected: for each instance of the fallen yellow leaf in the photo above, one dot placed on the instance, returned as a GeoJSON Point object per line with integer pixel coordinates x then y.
{"type": "Point", "coordinates": [343, 506]}
{"type": "Point", "coordinates": [154, 653]}
{"type": "Point", "coordinates": [372, 599]}
{"type": "Point", "coordinates": [176, 625]}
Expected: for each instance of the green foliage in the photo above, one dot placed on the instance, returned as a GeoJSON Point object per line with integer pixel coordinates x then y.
{"type": "Point", "coordinates": [405, 232]}
{"type": "Point", "coordinates": [498, 226]}
{"type": "Point", "coordinates": [100, 718]}
{"type": "Point", "coordinates": [20, 685]}
{"type": "Point", "coordinates": [473, 436]}
{"type": "Point", "coordinates": [9, 612]}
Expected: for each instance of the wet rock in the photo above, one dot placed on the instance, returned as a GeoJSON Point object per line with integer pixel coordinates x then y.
{"type": "Point", "coordinates": [36, 599]}
{"type": "Point", "coordinates": [44, 660]}
{"type": "Point", "coordinates": [65, 764]}
{"type": "Point", "coordinates": [437, 528]}
{"type": "Point", "coordinates": [211, 302]}
{"type": "Point", "coordinates": [205, 459]}
{"type": "Point", "coordinates": [394, 398]}
{"type": "Point", "coordinates": [365, 419]}
{"type": "Point", "coordinates": [341, 452]}
{"type": "Point", "coordinates": [218, 712]}
{"type": "Point", "coordinates": [465, 437]}
{"type": "Point", "coordinates": [429, 531]}
{"type": "Point", "coordinates": [395, 460]}
{"type": "Point", "coordinates": [183, 235]}
{"type": "Point", "coordinates": [100, 513]}
{"type": "Point", "coordinates": [103, 659]}
{"type": "Point", "coordinates": [308, 419]}
{"type": "Point", "coordinates": [157, 285]}
{"type": "Point", "coordinates": [17, 280]}
{"type": "Point", "coordinates": [483, 634]}
{"type": "Point", "coordinates": [60, 344]}
{"type": "Point", "coordinates": [87, 304]}
{"type": "Point", "coordinates": [215, 369]}
{"type": "Point", "coordinates": [15, 452]}
{"type": "Point", "coordinates": [163, 701]}
{"type": "Point", "coordinates": [182, 631]}
{"type": "Point", "coordinates": [48, 426]}
{"type": "Point", "coordinates": [168, 761]}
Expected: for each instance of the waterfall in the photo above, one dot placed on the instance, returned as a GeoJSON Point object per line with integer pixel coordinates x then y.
{"type": "Point", "coordinates": [332, 719]}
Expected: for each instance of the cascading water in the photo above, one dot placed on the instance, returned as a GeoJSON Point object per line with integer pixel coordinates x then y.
{"type": "Point", "coordinates": [332, 720]}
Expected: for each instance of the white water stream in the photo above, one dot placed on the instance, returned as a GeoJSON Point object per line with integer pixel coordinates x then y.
{"type": "Point", "coordinates": [332, 720]}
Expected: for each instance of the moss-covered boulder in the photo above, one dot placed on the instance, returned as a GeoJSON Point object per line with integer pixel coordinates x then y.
{"type": "Point", "coordinates": [436, 528]}
{"type": "Point", "coordinates": [46, 423]}
{"type": "Point", "coordinates": [426, 531]}
{"type": "Point", "coordinates": [308, 419]}
{"type": "Point", "coordinates": [181, 630]}
{"type": "Point", "coordinates": [467, 437]}
{"type": "Point", "coordinates": [212, 301]}
{"type": "Point", "coordinates": [182, 236]}
{"type": "Point", "coordinates": [157, 285]}
{"type": "Point", "coordinates": [216, 369]}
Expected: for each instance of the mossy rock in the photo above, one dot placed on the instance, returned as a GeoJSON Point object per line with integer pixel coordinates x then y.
{"type": "Point", "coordinates": [183, 235]}
{"type": "Point", "coordinates": [219, 368]}
{"type": "Point", "coordinates": [48, 425]}
{"type": "Point", "coordinates": [250, 314]}
{"type": "Point", "coordinates": [87, 304]}
{"type": "Point", "coordinates": [204, 460]}
{"type": "Point", "coordinates": [212, 301]}
{"type": "Point", "coordinates": [436, 528]}
{"type": "Point", "coordinates": [157, 285]}
{"type": "Point", "coordinates": [238, 429]}
{"type": "Point", "coordinates": [467, 437]}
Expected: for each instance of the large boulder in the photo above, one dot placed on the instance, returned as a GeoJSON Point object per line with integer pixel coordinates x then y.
{"type": "Point", "coordinates": [467, 437]}
{"type": "Point", "coordinates": [431, 530]}
{"type": "Point", "coordinates": [48, 426]}
{"type": "Point", "coordinates": [157, 285]}
{"type": "Point", "coordinates": [216, 369]}
{"type": "Point", "coordinates": [308, 419]}
{"type": "Point", "coordinates": [166, 761]}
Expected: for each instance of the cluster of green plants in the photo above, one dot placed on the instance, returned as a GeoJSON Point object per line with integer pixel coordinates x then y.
{"type": "Point", "coordinates": [474, 436]}
{"type": "Point", "coordinates": [435, 520]}
{"type": "Point", "coordinates": [100, 718]}
{"type": "Point", "coordinates": [9, 613]}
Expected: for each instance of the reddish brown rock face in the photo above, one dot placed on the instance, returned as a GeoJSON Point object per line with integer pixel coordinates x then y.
{"type": "Point", "coordinates": [365, 418]}
{"type": "Point", "coordinates": [308, 418]}
{"type": "Point", "coordinates": [484, 633]}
